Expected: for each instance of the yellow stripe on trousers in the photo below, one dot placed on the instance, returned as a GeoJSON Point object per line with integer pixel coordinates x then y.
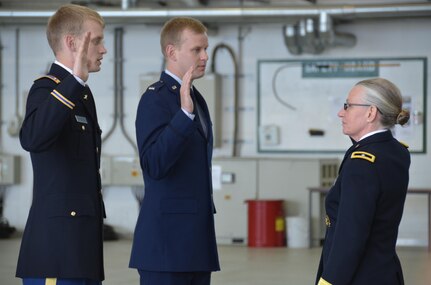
{"type": "Point", "coordinates": [51, 281]}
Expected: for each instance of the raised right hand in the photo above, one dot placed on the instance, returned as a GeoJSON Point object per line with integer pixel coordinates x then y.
{"type": "Point", "coordinates": [80, 66]}
{"type": "Point", "coordinates": [186, 99]}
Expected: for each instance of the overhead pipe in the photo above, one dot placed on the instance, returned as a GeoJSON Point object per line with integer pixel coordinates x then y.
{"type": "Point", "coordinates": [17, 71]}
{"type": "Point", "coordinates": [116, 95]}
{"type": "Point", "coordinates": [114, 122]}
{"type": "Point", "coordinates": [14, 124]}
{"type": "Point", "coordinates": [236, 90]}
{"type": "Point", "coordinates": [119, 88]}
{"type": "Point", "coordinates": [235, 15]}
{"type": "Point", "coordinates": [126, 4]}
{"type": "Point", "coordinates": [1, 95]}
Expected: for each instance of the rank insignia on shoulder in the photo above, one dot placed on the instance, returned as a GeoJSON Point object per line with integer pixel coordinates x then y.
{"type": "Point", "coordinates": [155, 86]}
{"type": "Point", "coordinates": [404, 144]}
{"type": "Point", "coordinates": [323, 282]}
{"type": "Point", "coordinates": [363, 155]}
{"type": "Point", "coordinates": [53, 78]}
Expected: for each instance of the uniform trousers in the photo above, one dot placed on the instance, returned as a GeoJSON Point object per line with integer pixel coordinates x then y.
{"type": "Point", "coordinates": [174, 278]}
{"type": "Point", "coordinates": [59, 281]}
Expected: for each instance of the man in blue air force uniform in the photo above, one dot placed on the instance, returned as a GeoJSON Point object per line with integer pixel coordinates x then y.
{"type": "Point", "coordinates": [174, 241]}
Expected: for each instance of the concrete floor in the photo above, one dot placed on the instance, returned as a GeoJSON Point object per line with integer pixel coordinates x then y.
{"type": "Point", "coordinates": [240, 265]}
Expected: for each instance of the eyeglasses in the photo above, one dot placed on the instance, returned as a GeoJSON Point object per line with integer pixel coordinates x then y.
{"type": "Point", "coordinates": [348, 105]}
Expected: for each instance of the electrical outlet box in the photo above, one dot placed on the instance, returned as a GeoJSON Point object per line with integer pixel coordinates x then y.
{"type": "Point", "coordinates": [105, 170]}
{"type": "Point", "coordinates": [9, 169]}
{"type": "Point", "coordinates": [269, 135]}
{"type": "Point", "coordinates": [121, 171]}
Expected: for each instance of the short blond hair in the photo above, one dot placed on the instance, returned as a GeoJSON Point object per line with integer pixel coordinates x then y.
{"type": "Point", "coordinates": [172, 30]}
{"type": "Point", "coordinates": [69, 19]}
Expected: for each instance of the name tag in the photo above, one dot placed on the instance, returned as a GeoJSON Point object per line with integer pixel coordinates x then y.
{"type": "Point", "coordinates": [81, 119]}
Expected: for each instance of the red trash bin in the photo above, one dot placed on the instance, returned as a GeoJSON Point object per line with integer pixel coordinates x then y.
{"type": "Point", "coordinates": [266, 223]}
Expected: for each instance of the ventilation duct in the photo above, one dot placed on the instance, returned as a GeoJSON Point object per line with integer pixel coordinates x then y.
{"type": "Point", "coordinates": [331, 38]}
{"type": "Point", "coordinates": [314, 36]}
{"type": "Point", "coordinates": [291, 39]}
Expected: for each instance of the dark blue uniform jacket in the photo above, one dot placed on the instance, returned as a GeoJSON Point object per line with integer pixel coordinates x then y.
{"type": "Point", "coordinates": [63, 234]}
{"type": "Point", "coordinates": [364, 209]}
{"type": "Point", "coordinates": [175, 227]}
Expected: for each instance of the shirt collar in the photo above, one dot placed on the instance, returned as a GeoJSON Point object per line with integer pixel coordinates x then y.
{"type": "Point", "coordinates": [174, 76]}
{"type": "Point", "coordinates": [65, 67]}
{"type": "Point", "coordinates": [372, 133]}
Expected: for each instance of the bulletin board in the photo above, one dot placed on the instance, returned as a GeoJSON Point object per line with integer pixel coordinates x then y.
{"type": "Point", "coordinates": [298, 101]}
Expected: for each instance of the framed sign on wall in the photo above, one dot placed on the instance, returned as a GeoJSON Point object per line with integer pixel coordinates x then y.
{"type": "Point", "coordinates": [298, 101]}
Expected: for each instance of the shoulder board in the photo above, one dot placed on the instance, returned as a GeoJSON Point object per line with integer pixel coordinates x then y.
{"type": "Point", "coordinates": [155, 86]}
{"type": "Point", "coordinates": [53, 78]}
{"type": "Point", "coordinates": [404, 144]}
{"type": "Point", "coordinates": [363, 155]}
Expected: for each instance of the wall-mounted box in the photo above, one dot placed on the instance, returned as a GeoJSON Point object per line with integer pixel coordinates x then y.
{"type": "Point", "coordinates": [9, 169]}
{"type": "Point", "coordinates": [121, 171]}
{"type": "Point", "coordinates": [236, 182]}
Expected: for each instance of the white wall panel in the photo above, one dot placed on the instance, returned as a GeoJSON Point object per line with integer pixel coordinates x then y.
{"type": "Point", "coordinates": [394, 38]}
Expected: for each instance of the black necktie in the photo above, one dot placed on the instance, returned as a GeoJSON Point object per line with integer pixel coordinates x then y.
{"type": "Point", "coordinates": [200, 113]}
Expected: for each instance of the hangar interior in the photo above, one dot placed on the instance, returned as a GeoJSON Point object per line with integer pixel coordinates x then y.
{"type": "Point", "coordinates": [278, 73]}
